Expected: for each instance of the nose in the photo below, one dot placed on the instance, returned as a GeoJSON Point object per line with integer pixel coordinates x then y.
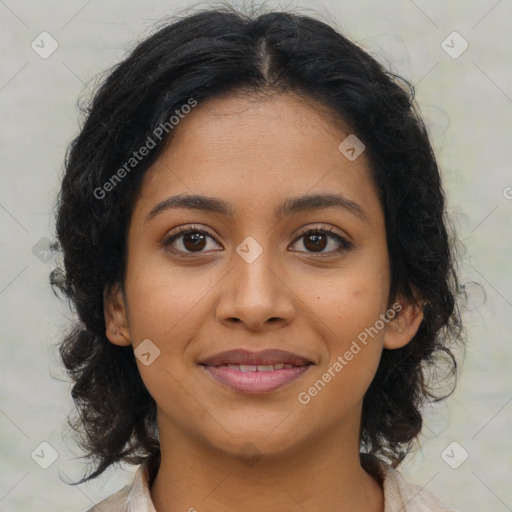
{"type": "Point", "coordinates": [254, 296]}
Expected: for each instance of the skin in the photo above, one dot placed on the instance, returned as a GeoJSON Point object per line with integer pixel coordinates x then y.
{"type": "Point", "coordinates": [254, 154]}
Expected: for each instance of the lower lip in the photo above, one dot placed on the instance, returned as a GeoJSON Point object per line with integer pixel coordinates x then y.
{"type": "Point", "coordinates": [255, 382]}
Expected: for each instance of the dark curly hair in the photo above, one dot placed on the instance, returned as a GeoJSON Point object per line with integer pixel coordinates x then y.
{"type": "Point", "coordinates": [220, 51]}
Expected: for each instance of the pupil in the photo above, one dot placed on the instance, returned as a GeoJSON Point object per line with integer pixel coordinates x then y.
{"type": "Point", "coordinates": [317, 241]}
{"type": "Point", "coordinates": [197, 239]}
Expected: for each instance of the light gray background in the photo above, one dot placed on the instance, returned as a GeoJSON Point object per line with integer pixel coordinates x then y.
{"type": "Point", "coordinates": [467, 103]}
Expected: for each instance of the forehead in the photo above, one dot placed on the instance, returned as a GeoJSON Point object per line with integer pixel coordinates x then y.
{"type": "Point", "coordinates": [245, 123]}
{"type": "Point", "coordinates": [253, 151]}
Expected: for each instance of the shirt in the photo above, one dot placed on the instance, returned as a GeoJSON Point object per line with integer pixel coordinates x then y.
{"type": "Point", "coordinates": [399, 496]}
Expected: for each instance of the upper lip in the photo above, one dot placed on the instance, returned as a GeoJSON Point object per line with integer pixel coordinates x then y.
{"type": "Point", "coordinates": [246, 357]}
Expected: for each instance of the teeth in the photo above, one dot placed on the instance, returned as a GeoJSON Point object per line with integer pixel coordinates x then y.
{"type": "Point", "coordinates": [259, 367]}
{"type": "Point", "coordinates": [265, 367]}
{"type": "Point", "coordinates": [247, 367]}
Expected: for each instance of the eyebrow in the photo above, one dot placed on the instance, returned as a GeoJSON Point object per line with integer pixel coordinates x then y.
{"type": "Point", "coordinates": [290, 205]}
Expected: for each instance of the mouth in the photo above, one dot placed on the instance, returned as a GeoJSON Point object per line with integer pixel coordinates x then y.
{"type": "Point", "coordinates": [262, 358]}
{"type": "Point", "coordinates": [259, 367]}
{"type": "Point", "coordinates": [256, 372]}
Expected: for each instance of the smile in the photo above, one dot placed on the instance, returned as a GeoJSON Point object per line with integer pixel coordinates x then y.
{"type": "Point", "coordinates": [256, 378]}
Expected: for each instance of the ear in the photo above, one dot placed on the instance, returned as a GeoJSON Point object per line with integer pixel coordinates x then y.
{"type": "Point", "coordinates": [402, 328]}
{"type": "Point", "coordinates": [114, 311]}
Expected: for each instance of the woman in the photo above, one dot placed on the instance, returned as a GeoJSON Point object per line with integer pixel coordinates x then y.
{"type": "Point", "coordinates": [254, 238]}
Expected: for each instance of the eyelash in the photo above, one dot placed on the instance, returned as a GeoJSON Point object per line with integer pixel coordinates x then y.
{"type": "Point", "coordinates": [184, 230]}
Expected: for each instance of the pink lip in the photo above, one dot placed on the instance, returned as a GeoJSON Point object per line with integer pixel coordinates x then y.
{"type": "Point", "coordinates": [268, 356]}
{"type": "Point", "coordinates": [255, 382]}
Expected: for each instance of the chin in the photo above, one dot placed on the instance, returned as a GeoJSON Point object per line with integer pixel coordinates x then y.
{"type": "Point", "coordinates": [250, 444]}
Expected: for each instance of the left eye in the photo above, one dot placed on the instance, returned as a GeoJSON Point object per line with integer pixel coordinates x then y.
{"type": "Point", "coordinates": [194, 240]}
{"type": "Point", "coordinates": [316, 240]}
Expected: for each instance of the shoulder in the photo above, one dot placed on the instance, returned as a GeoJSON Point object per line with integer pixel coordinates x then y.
{"type": "Point", "coordinates": [134, 497]}
{"type": "Point", "coordinates": [116, 502]}
{"type": "Point", "coordinates": [404, 496]}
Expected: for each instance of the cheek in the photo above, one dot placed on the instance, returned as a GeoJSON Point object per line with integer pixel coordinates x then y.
{"type": "Point", "coordinates": [349, 301]}
{"type": "Point", "coordinates": [163, 300]}
{"type": "Point", "coordinates": [166, 307]}
{"type": "Point", "coordinates": [347, 309]}
{"type": "Point", "coordinates": [352, 355]}
{"type": "Point", "coordinates": [353, 339]}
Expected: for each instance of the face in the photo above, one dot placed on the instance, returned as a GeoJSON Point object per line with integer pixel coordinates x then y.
{"type": "Point", "coordinates": [259, 270]}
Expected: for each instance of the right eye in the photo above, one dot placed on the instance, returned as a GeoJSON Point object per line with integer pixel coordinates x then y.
{"type": "Point", "coordinates": [189, 239]}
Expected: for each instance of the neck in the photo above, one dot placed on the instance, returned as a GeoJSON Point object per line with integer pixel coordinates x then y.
{"type": "Point", "coordinates": [325, 476]}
